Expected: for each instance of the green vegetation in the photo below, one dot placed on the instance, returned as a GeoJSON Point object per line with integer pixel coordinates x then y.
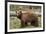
{"type": "Point", "coordinates": [15, 23]}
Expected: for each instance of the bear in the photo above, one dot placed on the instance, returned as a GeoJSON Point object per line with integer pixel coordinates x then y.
{"type": "Point", "coordinates": [26, 18]}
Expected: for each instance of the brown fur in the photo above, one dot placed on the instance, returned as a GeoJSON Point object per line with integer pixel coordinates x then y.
{"type": "Point", "coordinates": [27, 17]}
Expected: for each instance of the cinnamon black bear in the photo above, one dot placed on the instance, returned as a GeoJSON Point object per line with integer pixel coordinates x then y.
{"type": "Point", "coordinates": [26, 18]}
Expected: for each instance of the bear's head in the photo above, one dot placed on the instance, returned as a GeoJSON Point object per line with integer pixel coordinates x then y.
{"type": "Point", "coordinates": [19, 14]}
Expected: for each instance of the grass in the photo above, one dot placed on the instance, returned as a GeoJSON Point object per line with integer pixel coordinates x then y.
{"type": "Point", "coordinates": [15, 23]}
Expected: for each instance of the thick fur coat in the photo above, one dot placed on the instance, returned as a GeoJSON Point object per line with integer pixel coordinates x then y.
{"type": "Point", "coordinates": [26, 18]}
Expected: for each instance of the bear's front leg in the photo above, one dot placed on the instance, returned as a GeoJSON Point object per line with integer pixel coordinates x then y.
{"type": "Point", "coordinates": [22, 24]}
